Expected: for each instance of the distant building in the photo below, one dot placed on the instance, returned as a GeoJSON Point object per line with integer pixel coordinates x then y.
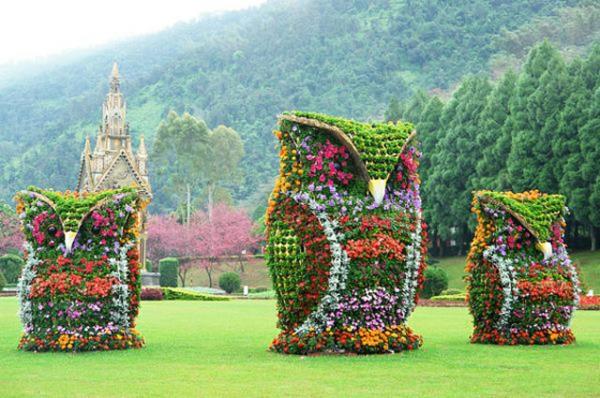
{"type": "Point", "coordinates": [113, 164]}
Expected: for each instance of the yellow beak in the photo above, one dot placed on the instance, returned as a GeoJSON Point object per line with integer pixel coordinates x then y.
{"type": "Point", "coordinates": [546, 248]}
{"type": "Point", "coordinates": [377, 189]}
{"type": "Point", "coordinates": [69, 239]}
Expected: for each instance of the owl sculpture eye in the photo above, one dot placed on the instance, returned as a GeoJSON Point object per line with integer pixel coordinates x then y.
{"type": "Point", "coordinates": [79, 289]}
{"type": "Point", "coordinates": [522, 285]}
{"type": "Point", "coordinates": [346, 240]}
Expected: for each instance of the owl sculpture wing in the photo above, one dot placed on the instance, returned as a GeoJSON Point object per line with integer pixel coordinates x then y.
{"type": "Point", "coordinates": [344, 224]}
{"type": "Point", "coordinates": [80, 286]}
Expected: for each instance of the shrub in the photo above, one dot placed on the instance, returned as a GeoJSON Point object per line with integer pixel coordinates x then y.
{"type": "Point", "coordinates": [149, 266]}
{"type": "Point", "coordinates": [436, 280]}
{"type": "Point", "coordinates": [170, 293]}
{"type": "Point", "coordinates": [259, 289]}
{"type": "Point", "coordinates": [151, 293]}
{"type": "Point", "coordinates": [230, 282]}
{"type": "Point", "coordinates": [2, 281]}
{"type": "Point", "coordinates": [168, 268]}
{"type": "Point", "coordinates": [450, 297]}
{"type": "Point", "coordinates": [451, 291]}
{"type": "Point", "coordinates": [10, 266]}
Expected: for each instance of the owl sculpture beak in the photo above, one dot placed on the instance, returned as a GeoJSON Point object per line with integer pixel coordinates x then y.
{"type": "Point", "coordinates": [377, 189]}
{"type": "Point", "coordinates": [545, 248]}
{"type": "Point", "coordinates": [69, 239]}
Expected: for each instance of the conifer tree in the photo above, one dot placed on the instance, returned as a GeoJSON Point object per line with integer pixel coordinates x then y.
{"type": "Point", "coordinates": [415, 106]}
{"type": "Point", "coordinates": [495, 136]}
{"type": "Point", "coordinates": [394, 111]}
{"type": "Point", "coordinates": [540, 95]}
{"type": "Point", "coordinates": [590, 166]}
{"type": "Point", "coordinates": [456, 156]}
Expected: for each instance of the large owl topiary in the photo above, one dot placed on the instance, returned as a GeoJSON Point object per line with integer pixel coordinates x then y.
{"type": "Point", "coordinates": [346, 240]}
{"type": "Point", "coordinates": [522, 286]}
{"type": "Point", "coordinates": [80, 287]}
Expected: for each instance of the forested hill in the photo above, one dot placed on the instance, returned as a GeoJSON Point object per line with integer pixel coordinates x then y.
{"type": "Point", "coordinates": [243, 68]}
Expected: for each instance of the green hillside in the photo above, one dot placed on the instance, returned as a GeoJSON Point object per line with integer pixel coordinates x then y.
{"type": "Point", "coordinates": [243, 68]}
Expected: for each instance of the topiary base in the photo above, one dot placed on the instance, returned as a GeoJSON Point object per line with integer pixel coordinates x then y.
{"type": "Point", "coordinates": [539, 337]}
{"type": "Point", "coordinates": [396, 338]}
{"type": "Point", "coordinates": [103, 341]}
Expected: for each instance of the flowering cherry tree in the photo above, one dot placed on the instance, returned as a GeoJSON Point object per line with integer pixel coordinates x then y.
{"type": "Point", "coordinates": [11, 236]}
{"type": "Point", "coordinates": [205, 241]}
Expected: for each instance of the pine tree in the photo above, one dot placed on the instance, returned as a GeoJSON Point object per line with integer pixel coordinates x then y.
{"type": "Point", "coordinates": [428, 131]}
{"type": "Point", "coordinates": [540, 95]}
{"type": "Point", "coordinates": [394, 111]}
{"type": "Point", "coordinates": [495, 136]}
{"type": "Point", "coordinates": [415, 106]}
{"type": "Point", "coordinates": [590, 166]}
{"type": "Point", "coordinates": [457, 153]}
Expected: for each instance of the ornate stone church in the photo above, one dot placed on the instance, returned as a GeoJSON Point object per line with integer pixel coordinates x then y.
{"type": "Point", "coordinates": [113, 164]}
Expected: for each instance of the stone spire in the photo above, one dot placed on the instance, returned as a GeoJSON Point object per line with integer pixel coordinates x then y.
{"type": "Point", "coordinates": [87, 150]}
{"type": "Point", "coordinates": [142, 159]}
{"type": "Point", "coordinates": [115, 83]}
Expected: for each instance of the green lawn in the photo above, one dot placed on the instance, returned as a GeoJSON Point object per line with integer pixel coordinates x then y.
{"type": "Point", "coordinates": [219, 349]}
{"type": "Point", "coordinates": [588, 263]}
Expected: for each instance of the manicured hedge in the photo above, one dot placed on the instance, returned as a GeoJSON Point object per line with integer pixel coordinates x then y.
{"type": "Point", "coordinates": [185, 294]}
{"type": "Point", "coordinates": [168, 268]}
{"type": "Point", "coordinates": [152, 293]}
{"type": "Point", "coordinates": [450, 297]}
{"type": "Point", "coordinates": [436, 280]}
{"type": "Point", "coordinates": [2, 281]}
{"type": "Point", "coordinates": [11, 266]}
{"type": "Point", "coordinates": [230, 282]}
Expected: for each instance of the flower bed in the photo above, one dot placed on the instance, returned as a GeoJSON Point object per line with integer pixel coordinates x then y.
{"type": "Point", "coordinates": [80, 286]}
{"type": "Point", "coordinates": [346, 240]}
{"type": "Point", "coordinates": [522, 286]}
{"type": "Point", "coordinates": [589, 303]}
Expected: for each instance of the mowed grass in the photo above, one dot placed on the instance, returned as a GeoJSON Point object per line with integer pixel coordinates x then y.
{"type": "Point", "coordinates": [588, 263]}
{"type": "Point", "coordinates": [219, 349]}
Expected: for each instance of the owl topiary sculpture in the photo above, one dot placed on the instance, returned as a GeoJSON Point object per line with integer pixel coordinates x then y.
{"type": "Point", "coordinates": [80, 287]}
{"type": "Point", "coordinates": [522, 286]}
{"type": "Point", "coordinates": [346, 239]}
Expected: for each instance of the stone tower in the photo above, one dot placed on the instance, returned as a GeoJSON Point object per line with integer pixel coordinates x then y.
{"type": "Point", "coordinates": [113, 164]}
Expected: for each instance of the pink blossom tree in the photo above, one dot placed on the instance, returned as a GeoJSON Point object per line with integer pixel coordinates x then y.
{"type": "Point", "coordinates": [205, 241]}
{"type": "Point", "coordinates": [228, 232]}
{"type": "Point", "coordinates": [11, 236]}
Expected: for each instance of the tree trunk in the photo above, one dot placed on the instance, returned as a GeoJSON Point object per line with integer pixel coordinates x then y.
{"type": "Point", "coordinates": [241, 259]}
{"type": "Point", "coordinates": [188, 204]}
{"type": "Point", "coordinates": [209, 273]}
{"type": "Point", "coordinates": [593, 239]}
{"type": "Point", "coordinates": [210, 190]}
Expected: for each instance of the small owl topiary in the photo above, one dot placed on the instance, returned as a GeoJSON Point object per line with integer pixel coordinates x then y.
{"type": "Point", "coordinates": [522, 286]}
{"type": "Point", "coordinates": [80, 286]}
{"type": "Point", "coordinates": [346, 239]}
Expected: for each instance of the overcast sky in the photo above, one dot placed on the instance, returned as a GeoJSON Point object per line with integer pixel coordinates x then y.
{"type": "Point", "coordinates": [31, 29]}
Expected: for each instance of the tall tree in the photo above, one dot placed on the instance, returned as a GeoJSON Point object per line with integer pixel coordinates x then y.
{"type": "Point", "coordinates": [414, 107]}
{"type": "Point", "coordinates": [394, 111]}
{"type": "Point", "coordinates": [221, 166]}
{"type": "Point", "coordinates": [495, 136]}
{"type": "Point", "coordinates": [450, 182]}
{"type": "Point", "coordinates": [590, 166]}
{"type": "Point", "coordinates": [178, 158]}
{"type": "Point", "coordinates": [540, 95]}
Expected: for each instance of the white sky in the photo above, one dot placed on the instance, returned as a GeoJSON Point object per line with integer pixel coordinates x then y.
{"type": "Point", "coordinates": [30, 29]}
